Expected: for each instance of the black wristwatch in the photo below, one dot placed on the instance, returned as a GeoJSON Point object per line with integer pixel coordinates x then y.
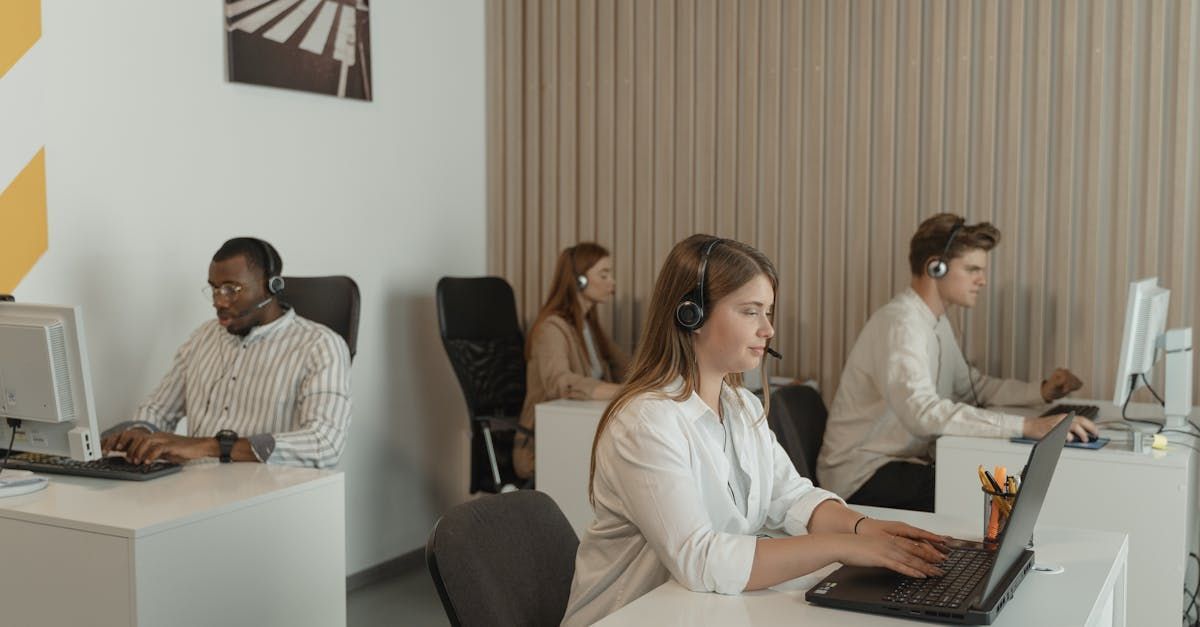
{"type": "Point", "coordinates": [225, 440]}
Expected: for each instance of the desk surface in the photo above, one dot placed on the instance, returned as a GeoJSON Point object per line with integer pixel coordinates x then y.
{"type": "Point", "coordinates": [134, 509]}
{"type": "Point", "coordinates": [1094, 562]}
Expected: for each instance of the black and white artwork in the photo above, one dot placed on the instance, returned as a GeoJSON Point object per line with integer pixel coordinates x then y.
{"type": "Point", "coordinates": [323, 46]}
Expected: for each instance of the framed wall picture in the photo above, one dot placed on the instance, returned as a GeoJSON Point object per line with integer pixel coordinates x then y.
{"type": "Point", "coordinates": [322, 46]}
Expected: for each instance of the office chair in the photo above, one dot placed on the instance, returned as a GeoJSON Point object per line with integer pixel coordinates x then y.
{"type": "Point", "coordinates": [504, 559]}
{"type": "Point", "coordinates": [798, 417]}
{"type": "Point", "coordinates": [331, 300]}
{"type": "Point", "coordinates": [482, 337]}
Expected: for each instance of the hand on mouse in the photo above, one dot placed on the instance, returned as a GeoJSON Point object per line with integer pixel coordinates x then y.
{"type": "Point", "coordinates": [1082, 429]}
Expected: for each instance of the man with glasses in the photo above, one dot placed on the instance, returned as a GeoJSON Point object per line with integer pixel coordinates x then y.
{"type": "Point", "coordinates": [258, 383]}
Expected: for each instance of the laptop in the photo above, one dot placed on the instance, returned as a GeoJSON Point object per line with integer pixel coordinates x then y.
{"type": "Point", "coordinates": [980, 578]}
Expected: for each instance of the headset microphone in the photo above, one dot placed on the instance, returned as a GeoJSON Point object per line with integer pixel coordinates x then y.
{"type": "Point", "coordinates": [774, 353]}
{"type": "Point", "coordinates": [246, 312]}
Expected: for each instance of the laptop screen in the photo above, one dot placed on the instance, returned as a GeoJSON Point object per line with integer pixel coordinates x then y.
{"type": "Point", "coordinates": [1036, 481]}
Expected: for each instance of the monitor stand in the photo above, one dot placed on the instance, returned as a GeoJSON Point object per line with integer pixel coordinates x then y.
{"type": "Point", "coordinates": [1177, 344]}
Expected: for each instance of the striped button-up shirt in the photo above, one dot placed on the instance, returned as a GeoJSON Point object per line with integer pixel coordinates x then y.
{"type": "Point", "coordinates": [285, 386]}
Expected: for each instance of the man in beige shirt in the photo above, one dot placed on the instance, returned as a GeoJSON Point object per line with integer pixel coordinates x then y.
{"type": "Point", "coordinates": [906, 381]}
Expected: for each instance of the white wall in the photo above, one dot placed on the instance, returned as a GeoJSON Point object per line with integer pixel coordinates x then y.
{"type": "Point", "coordinates": [153, 160]}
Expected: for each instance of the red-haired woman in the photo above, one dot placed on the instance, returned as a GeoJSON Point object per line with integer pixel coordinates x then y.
{"type": "Point", "coordinates": [568, 354]}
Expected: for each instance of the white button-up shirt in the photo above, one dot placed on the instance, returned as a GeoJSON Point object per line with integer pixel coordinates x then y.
{"type": "Point", "coordinates": [665, 503]}
{"type": "Point", "coordinates": [906, 383]}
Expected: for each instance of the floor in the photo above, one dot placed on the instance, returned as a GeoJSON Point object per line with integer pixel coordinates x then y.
{"type": "Point", "coordinates": [406, 599]}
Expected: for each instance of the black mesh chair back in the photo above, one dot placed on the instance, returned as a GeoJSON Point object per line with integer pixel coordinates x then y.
{"type": "Point", "coordinates": [798, 419]}
{"type": "Point", "coordinates": [331, 300]}
{"type": "Point", "coordinates": [504, 559]}
{"type": "Point", "coordinates": [483, 340]}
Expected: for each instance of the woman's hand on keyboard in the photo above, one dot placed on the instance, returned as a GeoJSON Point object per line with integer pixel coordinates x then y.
{"type": "Point", "coordinates": [875, 527]}
{"type": "Point", "coordinates": [906, 556]}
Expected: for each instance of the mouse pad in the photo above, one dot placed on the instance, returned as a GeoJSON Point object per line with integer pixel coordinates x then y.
{"type": "Point", "coordinates": [1091, 444]}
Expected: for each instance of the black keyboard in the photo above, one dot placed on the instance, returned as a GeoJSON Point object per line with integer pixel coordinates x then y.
{"type": "Point", "coordinates": [964, 569]}
{"type": "Point", "coordinates": [105, 468]}
{"type": "Point", "coordinates": [1087, 411]}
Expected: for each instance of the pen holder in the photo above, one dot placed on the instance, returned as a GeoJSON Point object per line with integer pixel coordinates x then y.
{"type": "Point", "coordinates": [997, 507]}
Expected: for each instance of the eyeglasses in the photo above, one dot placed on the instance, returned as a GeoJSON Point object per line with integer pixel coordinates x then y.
{"type": "Point", "coordinates": [225, 291]}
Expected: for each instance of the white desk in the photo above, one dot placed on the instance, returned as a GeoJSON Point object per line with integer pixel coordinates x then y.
{"type": "Point", "coordinates": [237, 544]}
{"type": "Point", "coordinates": [565, 431]}
{"type": "Point", "coordinates": [1149, 496]}
{"type": "Point", "coordinates": [1090, 591]}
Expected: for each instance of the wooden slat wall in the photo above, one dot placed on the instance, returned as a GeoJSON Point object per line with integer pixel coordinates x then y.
{"type": "Point", "coordinates": [823, 132]}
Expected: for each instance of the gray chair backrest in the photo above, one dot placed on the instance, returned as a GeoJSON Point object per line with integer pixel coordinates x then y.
{"type": "Point", "coordinates": [504, 559]}
{"type": "Point", "coordinates": [798, 419]}
{"type": "Point", "coordinates": [331, 300]}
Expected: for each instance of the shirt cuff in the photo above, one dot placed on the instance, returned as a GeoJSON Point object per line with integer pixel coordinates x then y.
{"type": "Point", "coordinates": [263, 445]}
{"type": "Point", "coordinates": [799, 514]}
{"type": "Point", "coordinates": [735, 553]}
{"type": "Point", "coordinates": [1013, 426]}
{"type": "Point", "coordinates": [1034, 394]}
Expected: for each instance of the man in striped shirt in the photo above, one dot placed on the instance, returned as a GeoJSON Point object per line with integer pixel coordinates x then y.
{"type": "Point", "coordinates": [258, 383]}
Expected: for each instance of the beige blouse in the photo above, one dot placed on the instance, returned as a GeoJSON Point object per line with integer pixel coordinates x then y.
{"type": "Point", "coordinates": [558, 367]}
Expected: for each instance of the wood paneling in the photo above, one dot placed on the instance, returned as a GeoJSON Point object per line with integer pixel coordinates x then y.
{"type": "Point", "coordinates": [822, 132]}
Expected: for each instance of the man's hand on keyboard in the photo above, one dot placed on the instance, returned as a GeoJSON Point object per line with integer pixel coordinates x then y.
{"type": "Point", "coordinates": [1059, 384]}
{"type": "Point", "coordinates": [142, 447]}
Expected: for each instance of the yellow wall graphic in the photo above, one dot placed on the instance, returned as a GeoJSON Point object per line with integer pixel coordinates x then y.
{"type": "Point", "coordinates": [23, 201]}
{"type": "Point", "coordinates": [20, 27]}
{"type": "Point", "coordinates": [23, 221]}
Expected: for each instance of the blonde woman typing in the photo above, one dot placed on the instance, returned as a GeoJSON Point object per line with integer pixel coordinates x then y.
{"type": "Point", "coordinates": [686, 473]}
{"type": "Point", "coordinates": [568, 354]}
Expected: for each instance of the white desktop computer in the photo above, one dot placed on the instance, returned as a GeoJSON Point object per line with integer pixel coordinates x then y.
{"type": "Point", "coordinates": [1145, 335]}
{"type": "Point", "coordinates": [46, 403]}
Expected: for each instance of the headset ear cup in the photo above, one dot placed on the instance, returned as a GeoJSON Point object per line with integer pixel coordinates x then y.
{"type": "Point", "coordinates": [581, 281]}
{"type": "Point", "coordinates": [275, 284]}
{"type": "Point", "coordinates": [689, 315]}
{"type": "Point", "coordinates": [937, 269]}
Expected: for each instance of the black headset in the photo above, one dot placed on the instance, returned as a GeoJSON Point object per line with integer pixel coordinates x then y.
{"type": "Point", "coordinates": [581, 280]}
{"type": "Point", "coordinates": [275, 283]}
{"type": "Point", "coordinates": [689, 313]}
{"type": "Point", "coordinates": [938, 266]}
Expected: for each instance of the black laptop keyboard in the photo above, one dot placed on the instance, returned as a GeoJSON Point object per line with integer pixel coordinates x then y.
{"type": "Point", "coordinates": [105, 468]}
{"type": "Point", "coordinates": [964, 569]}
{"type": "Point", "coordinates": [1087, 411]}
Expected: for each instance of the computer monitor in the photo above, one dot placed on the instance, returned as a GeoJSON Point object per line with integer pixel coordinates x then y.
{"type": "Point", "coordinates": [1145, 321]}
{"type": "Point", "coordinates": [1144, 335]}
{"type": "Point", "coordinates": [45, 383]}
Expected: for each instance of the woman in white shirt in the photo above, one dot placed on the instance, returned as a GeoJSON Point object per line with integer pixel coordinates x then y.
{"type": "Point", "coordinates": [685, 471]}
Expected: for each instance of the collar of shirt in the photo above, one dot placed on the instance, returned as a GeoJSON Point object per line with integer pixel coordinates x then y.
{"type": "Point", "coordinates": [266, 330]}
{"type": "Point", "coordinates": [914, 300]}
{"type": "Point", "coordinates": [693, 407]}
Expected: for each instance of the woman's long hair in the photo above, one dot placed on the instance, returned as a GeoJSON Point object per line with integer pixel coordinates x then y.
{"type": "Point", "coordinates": [563, 300]}
{"type": "Point", "coordinates": [665, 351]}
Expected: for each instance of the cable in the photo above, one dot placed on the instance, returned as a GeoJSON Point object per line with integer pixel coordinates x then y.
{"type": "Point", "coordinates": [1128, 397]}
{"type": "Point", "coordinates": [1192, 604]}
{"type": "Point", "coordinates": [971, 380]}
{"type": "Point", "coordinates": [13, 424]}
{"type": "Point", "coordinates": [1156, 396]}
